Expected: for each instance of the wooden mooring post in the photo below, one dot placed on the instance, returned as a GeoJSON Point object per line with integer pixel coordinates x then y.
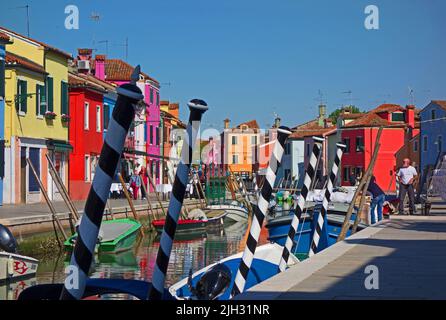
{"type": "Point", "coordinates": [48, 201]}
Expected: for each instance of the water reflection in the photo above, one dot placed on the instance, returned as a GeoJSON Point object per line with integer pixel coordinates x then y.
{"type": "Point", "coordinates": [191, 251]}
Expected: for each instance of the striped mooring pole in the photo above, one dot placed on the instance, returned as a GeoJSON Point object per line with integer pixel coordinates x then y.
{"type": "Point", "coordinates": [299, 207]}
{"type": "Point", "coordinates": [327, 196]}
{"type": "Point", "coordinates": [83, 253]}
{"type": "Point", "coordinates": [197, 108]}
{"type": "Point", "coordinates": [260, 211]}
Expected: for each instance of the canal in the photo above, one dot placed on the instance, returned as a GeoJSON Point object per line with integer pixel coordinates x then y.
{"type": "Point", "coordinates": [193, 251]}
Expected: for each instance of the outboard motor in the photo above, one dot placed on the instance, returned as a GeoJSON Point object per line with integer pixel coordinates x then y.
{"type": "Point", "coordinates": [212, 284]}
{"type": "Point", "coordinates": [7, 240]}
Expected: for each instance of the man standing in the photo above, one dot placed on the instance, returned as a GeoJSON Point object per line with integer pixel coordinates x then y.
{"type": "Point", "coordinates": [377, 201]}
{"type": "Point", "coordinates": [406, 177]}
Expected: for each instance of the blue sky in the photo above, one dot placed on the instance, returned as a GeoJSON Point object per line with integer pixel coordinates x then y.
{"type": "Point", "coordinates": [249, 59]}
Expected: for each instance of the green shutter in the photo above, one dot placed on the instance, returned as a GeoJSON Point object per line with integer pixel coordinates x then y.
{"type": "Point", "coordinates": [37, 99]}
{"type": "Point", "coordinates": [64, 98]}
{"type": "Point", "coordinates": [24, 96]}
{"type": "Point", "coordinates": [50, 93]}
{"type": "Point", "coordinates": [42, 96]}
{"type": "Point", "coordinates": [17, 98]}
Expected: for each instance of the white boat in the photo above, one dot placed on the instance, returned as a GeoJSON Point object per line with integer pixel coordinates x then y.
{"type": "Point", "coordinates": [14, 267]}
{"type": "Point", "coordinates": [235, 211]}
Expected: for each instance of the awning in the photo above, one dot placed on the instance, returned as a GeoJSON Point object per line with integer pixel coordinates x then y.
{"type": "Point", "coordinates": [59, 146]}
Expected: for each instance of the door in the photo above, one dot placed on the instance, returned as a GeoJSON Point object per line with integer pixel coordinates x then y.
{"type": "Point", "coordinates": [23, 175]}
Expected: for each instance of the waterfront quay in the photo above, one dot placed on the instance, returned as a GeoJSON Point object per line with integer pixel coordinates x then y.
{"type": "Point", "coordinates": [405, 253]}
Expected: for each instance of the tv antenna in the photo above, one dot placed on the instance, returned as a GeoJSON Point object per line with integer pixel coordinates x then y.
{"type": "Point", "coordinates": [126, 45]}
{"type": "Point", "coordinates": [350, 96]}
{"type": "Point", "coordinates": [95, 16]}
{"type": "Point", "coordinates": [106, 45]}
{"type": "Point", "coordinates": [320, 97]}
{"type": "Point", "coordinates": [411, 96]}
{"type": "Point", "coordinates": [27, 16]}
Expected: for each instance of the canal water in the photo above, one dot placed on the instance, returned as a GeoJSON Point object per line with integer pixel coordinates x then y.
{"type": "Point", "coordinates": [191, 252]}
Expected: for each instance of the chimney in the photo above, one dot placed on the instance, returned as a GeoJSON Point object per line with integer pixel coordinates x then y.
{"type": "Point", "coordinates": [277, 122]}
{"type": "Point", "coordinates": [322, 114]}
{"type": "Point", "coordinates": [410, 116]}
{"type": "Point", "coordinates": [99, 68]}
{"type": "Point", "coordinates": [328, 123]}
{"type": "Point", "coordinates": [84, 60]}
{"type": "Point", "coordinates": [226, 122]}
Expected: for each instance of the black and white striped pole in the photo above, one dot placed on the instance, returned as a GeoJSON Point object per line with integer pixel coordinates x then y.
{"type": "Point", "coordinates": [327, 196]}
{"type": "Point", "coordinates": [260, 211]}
{"type": "Point", "coordinates": [83, 253]}
{"type": "Point", "coordinates": [197, 108]}
{"type": "Point", "coordinates": [299, 207]}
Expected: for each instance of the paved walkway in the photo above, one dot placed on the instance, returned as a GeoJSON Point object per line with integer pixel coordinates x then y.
{"type": "Point", "coordinates": [409, 253]}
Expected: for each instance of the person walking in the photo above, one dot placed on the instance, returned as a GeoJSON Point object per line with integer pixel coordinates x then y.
{"type": "Point", "coordinates": [144, 179]}
{"type": "Point", "coordinates": [135, 184]}
{"type": "Point", "coordinates": [378, 198]}
{"type": "Point", "coordinates": [406, 176]}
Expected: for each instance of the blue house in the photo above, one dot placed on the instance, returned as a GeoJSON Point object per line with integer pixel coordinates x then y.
{"type": "Point", "coordinates": [433, 133]}
{"type": "Point", "coordinates": [4, 40]}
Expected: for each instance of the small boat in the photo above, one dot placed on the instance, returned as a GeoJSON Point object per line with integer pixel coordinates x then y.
{"type": "Point", "coordinates": [235, 211]}
{"type": "Point", "coordinates": [278, 229]}
{"type": "Point", "coordinates": [198, 221]}
{"type": "Point", "coordinates": [13, 266]}
{"type": "Point", "coordinates": [264, 266]}
{"type": "Point", "coordinates": [114, 236]}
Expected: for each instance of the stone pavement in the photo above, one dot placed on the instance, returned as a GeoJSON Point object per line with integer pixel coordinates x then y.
{"type": "Point", "coordinates": [409, 252]}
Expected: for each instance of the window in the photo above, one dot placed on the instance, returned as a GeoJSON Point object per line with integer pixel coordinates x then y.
{"type": "Point", "coordinates": [106, 116]}
{"type": "Point", "coordinates": [254, 140]}
{"type": "Point", "coordinates": [157, 98]}
{"type": "Point", "coordinates": [307, 149]}
{"type": "Point", "coordinates": [346, 141]}
{"type": "Point", "coordinates": [94, 163]}
{"type": "Point", "coordinates": [234, 140]}
{"type": "Point", "coordinates": [346, 174]}
{"type": "Point", "coordinates": [440, 143]}
{"type": "Point", "coordinates": [22, 96]}
{"type": "Point", "coordinates": [288, 148]}
{"type": "Point", "coordinates": [50, 93]}
{"type": "Point", "coordinates": [433, 114]}
{"type": "Point", "coordinates": [34, 157]}
{"type": "Point", "coordinates": [359, 144]}
{"type": "Point", "coordinates": [151, 95]}
{"type": "Point", "coordinates": [2, 72]}
{"type": "Point", "coordinates": [87, 168]}
{"type": "Point", "coordinates": [358, 171]}
{"type": "Point", "coordinates": [415, 146]}
{"type": "Point", "coordinates": [151, 134]}
{"type": "Point", "coordinates": [234, 159]}
{"type": "Point", "coordinates": [424, 144]}
{"type": "Point", "coordinates": [98, 118]}
{"type": "Point", "coordinates": [157, 136]}
{"type": "Point", "coordinates": [64, 97]}
{"type": "Point", "coordinates": [398, 117]}
{"type": "Point", "coordinates": [40, 100]}
{"type": "Point", "coordinates": [86, 115]}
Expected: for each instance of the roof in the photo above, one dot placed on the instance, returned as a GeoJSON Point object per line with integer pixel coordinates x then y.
{"type": "Point", "coordinates": [46, 46]}
{"type": "Point", "coordinates": [311, 131]}
{"type": "Point", "coordinates": [370, 119]}
{"type": "Point", "coordinates": [14, 60]}
{"type": "Point", "coordinates": [351, 116]}
{"type": "Point", "coordinates": [4, 38]}
{"type": "Point", "coordinates": [441, 103]}
{"type": "Point", "coordinates": [387, 107]}
{"type": "Point", "coordinates": [119, 70]}
{"type": "Point", "coordinates": [80, 80]}
{"type": "Point", "coordinates": [250, 124]}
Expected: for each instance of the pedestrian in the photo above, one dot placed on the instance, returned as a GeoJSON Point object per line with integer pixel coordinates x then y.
{"type": "Point", "coordinates": [407, 176]}
{"type": "Point", "coordinates": [135, 184]}
{"type": "Point", "coordinates": [378, 198]}
{"type": "Point", "coordinates": [144, 179]}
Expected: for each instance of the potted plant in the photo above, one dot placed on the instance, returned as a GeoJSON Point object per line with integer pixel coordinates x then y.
{"type": "Point", "coordinates": [50, 115]}
{"type": "Point", "coordinates": [65, 118]}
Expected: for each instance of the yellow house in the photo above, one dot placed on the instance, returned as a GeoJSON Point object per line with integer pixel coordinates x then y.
{"type": "Point", "coordinates": [36, 97]}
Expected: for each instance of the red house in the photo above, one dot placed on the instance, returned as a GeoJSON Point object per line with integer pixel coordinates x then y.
{"type": "Point", "coordinates": [85, 130]}
{"type": "Point", "coordinates": [399, 125]}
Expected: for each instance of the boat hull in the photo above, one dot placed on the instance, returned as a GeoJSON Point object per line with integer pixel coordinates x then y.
{"type": "Point", "coordinates": [14, 267]}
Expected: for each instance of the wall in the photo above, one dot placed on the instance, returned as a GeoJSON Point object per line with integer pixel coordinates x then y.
{"type": "Point", "coordinates": [431, 129]}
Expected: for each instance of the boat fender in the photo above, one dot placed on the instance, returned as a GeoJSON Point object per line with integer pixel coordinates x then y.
{"type": "Point", "coordinates": [7, 241]}
{"type": "Point", "coordinates": [212, 284]}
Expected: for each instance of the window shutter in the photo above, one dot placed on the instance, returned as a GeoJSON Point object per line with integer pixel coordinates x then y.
{"type": "Point", "coordinates": [64, 98]}
{"type": "Point", "coordinates": [18, 97]}
{"type": "Point", "coordinates": [50, 94]}
{"type": "Point", "coordinates": [37, 99]}
{"type": "Point", "coordinates": [43, 102]}
{"type": "Point", "coordinates": [24, 105]}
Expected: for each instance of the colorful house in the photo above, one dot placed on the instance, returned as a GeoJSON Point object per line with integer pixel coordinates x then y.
{"type": "Point", "coordinates": [240, 147]}
{"type": "Point", "coordinates": [433, 134]}
{"type": "Point", "coordinates": [86, 130]}
{"type": "Point", "coordinates": [399, 126]}
{"type": "Point", "coordinates": [36, 101]}
{"type": "Point", "coordinates": [4, 40]}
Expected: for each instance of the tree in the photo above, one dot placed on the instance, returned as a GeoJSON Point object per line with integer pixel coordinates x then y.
{"type": "Point", "coordinates": [335, 114]}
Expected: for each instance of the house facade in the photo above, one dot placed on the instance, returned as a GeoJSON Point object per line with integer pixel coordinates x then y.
{"type": "Point", "coordinates": [399, 125]}
{"type": "Point", "coordinates": [36, 99]}
{"type": "Point", "coordinates": [433, 133]}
